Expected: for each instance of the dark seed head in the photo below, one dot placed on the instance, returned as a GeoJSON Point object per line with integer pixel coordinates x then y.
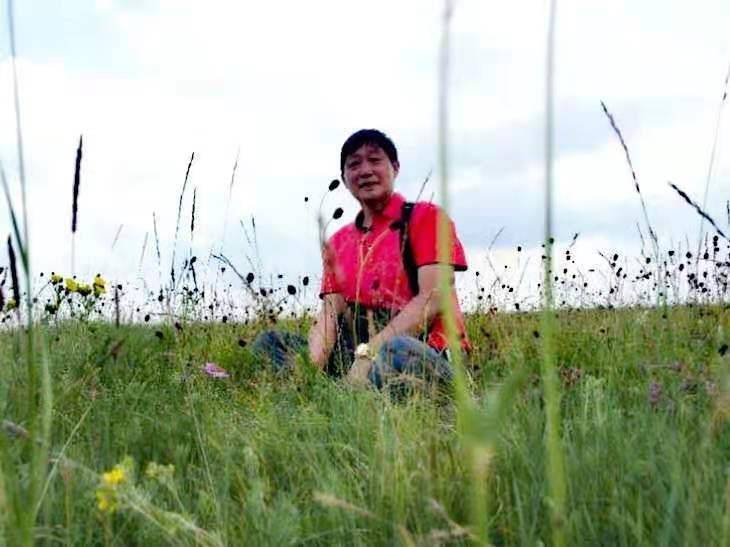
{"type": "Point", "coordinates": [334, 184]}
{"type": "Point", "coordinates": [249, 277]}
{"type": "Point", "coordinates": [338, 213]}
{"type": "Point", "coordinates": [291, 289]}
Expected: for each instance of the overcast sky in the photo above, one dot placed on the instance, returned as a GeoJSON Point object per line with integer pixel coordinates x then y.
{"type": "Point", "coordinates": [149, 82]}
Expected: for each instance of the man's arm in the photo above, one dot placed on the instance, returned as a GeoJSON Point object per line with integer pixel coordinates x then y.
{"type": "Point", "coordinates": [422, 308]}
{"type": "Point", "coordinates": [323, 334]}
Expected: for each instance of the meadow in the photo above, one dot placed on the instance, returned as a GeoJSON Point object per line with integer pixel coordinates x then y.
{"type": "Point", "coordinates": [261, 459]}
{"type": "Point", "coordinates": [597, 414]}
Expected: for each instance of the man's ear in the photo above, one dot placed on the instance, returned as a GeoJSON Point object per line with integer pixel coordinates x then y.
{"type": "Point", "coordinates": [396, 168]}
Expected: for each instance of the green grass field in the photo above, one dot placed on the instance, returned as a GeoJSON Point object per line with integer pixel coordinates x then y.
{"type": "Point", "coordinates": [262, 460]}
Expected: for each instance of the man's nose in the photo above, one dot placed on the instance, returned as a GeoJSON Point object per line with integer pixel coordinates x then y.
{"type": "Point", "coordinates": [365, 168]}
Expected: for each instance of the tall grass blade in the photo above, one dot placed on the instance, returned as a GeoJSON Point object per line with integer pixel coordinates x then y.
{"type": "Point", "coordinates": [18, 125]}
{"type": "Point", "coordinates": [116, 236]}
{"type": "Point", "coordinates": [711, 166]}
{"type": "Point", "coordinates": [38, 403]}
{"type": "Point", "coordinates": [553, 441]}
{"type": "Point", "coordinates": [230, 196]}
{"type": "Point", "coordinates": [13, 219]}
{"type": "Point", "coordinates": [177, 223]}
{"type": "Point", "coordinates": [14, 275]}
{"type": "Point", "coordinates": [144, 248]}
{"type": "Point", "coordinates": [478, 451]}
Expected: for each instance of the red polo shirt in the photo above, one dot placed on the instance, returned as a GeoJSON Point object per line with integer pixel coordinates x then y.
{"type": "Point", "coordinates": [366, 266]}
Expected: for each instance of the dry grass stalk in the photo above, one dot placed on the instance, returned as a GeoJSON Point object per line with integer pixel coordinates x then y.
{"type": "Point", "coordinates": [192, 214]}
{"type": "Point", "coordinates": [633, 172]}
{"type": "Point", "coordinates": [329, 500]}
{"type": "Point", "coordinates": [179, 212]}
{"type": "Point", "coordinates": [697, 208]}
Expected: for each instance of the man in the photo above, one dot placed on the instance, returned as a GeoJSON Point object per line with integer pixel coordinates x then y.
{"type": "Point", "coordinates": [381, 308]}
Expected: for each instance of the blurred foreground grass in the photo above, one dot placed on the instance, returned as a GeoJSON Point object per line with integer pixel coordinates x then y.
{"type": "Point", "coordinates": [303, 460]}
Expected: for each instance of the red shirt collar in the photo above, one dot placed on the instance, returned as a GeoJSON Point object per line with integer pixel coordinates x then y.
{"type": "Point", "coordinates": [391, 211]}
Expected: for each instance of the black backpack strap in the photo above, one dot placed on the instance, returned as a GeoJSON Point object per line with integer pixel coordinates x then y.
{"type": "Point", "coordinates": [409, 263]}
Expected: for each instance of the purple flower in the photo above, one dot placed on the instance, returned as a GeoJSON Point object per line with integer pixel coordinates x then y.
{"type": "Point", "coordinates": [214, 371]}
{"type": "Point", "coordinates": [655, 394]}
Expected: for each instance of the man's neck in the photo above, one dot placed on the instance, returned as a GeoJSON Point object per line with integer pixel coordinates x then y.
{"type": "Point", "coordinates": [370, 210]}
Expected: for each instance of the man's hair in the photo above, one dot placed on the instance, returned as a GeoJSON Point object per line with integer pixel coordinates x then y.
{"type": "Point", "coordinates": [368, 136]}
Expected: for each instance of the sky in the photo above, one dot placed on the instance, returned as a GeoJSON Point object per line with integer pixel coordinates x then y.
{"type": "Point", "coordinates": [280, 85]}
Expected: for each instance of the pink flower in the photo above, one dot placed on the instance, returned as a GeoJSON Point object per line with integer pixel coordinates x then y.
{"type": "Point", "coordinates": [214, 371]}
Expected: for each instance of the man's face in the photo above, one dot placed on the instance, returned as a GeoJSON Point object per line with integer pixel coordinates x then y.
{"type": "Point", "coordinates": [369, 174]}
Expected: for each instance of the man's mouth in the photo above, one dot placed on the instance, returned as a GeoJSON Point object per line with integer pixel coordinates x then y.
{"type": "Point", "coordinates": [368, 184]}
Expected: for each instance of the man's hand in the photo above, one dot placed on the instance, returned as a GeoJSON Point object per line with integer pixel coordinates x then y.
{"type": "Point", "coordinates": [358, 373]}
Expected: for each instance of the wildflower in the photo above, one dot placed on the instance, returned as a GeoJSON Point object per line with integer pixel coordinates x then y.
{"type": "Point", "coordinates": [99, 285]}
{"type": "Point", "coordinates": [214, 371]}
{"type": "Point", "coordinates": [161, 473]}
{"type": "Point", "coordinates": [106, 500]}
{"type": "Point", "coordinates": [115, 477]}
{"type": "Point", "coordinates": [83, 289]}
{"type": "Point", "coordinates": [107, 494]}
{"type": "Point", "coordinates": [11, 304]}
{"type": "Point", "coordinates": [71, 285]}
{"type": "Point", "coordinates": [56, 278]}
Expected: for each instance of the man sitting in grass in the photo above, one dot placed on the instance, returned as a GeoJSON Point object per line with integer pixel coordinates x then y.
{"type": "Point", "coordinates": [381, 316]}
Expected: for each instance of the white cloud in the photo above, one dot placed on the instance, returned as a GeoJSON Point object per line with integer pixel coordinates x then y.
{"type": "Point", "coordinates": [286, 82]}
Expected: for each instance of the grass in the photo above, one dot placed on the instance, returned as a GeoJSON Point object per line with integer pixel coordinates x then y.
{"type": "Point", "coordinates": [145, 449]}
{"type": "Point", "coordinates": [302, 460]}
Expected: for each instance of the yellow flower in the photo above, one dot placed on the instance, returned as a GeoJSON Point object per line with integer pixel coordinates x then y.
{"type": "Point", "coordinates": [56, 278]}
{"type": "Point", "coordinates": [11, 304]}
{"type": "Point", "coordinates": [99, 285]}
{"type": "Point", "coordinates": [106, 501]}
{"type": "Point", "coordinates": [113, 484]}
{"type": "Point", "coordinates": [114, 477]}
{"type": "Point", "coordinates": [83, 289]}
{"type": "Point", "coordinates": [71, 285]}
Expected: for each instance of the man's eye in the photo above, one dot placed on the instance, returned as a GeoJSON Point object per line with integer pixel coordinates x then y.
{"type": "Point", "coordinates": [374, 159]}
{"type": "Point", "coordinates": [352, 164]}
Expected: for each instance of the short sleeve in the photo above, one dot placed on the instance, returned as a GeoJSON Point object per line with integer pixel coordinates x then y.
{"type": "Point", "coordinates": [423, 231]}
{"type": "Point", "coordinates": [329, 278]}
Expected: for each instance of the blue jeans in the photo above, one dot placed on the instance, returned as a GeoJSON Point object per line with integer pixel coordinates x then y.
{"type": "Point", "coordinates": [402, 359]}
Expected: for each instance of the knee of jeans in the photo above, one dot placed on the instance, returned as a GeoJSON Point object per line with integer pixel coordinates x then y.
{"type": "Point", "coordinates": [394, 345]}
{"type": "Point", "coordinates": [265, 341]}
